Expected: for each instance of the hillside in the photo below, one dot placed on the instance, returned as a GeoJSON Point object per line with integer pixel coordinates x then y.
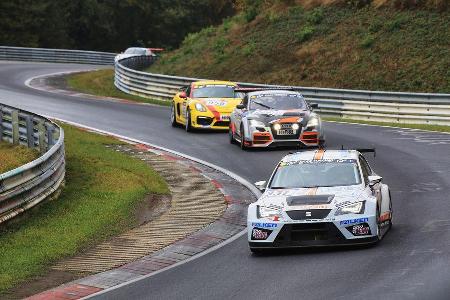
{"type": "Point", "coordinates": [374, 47]}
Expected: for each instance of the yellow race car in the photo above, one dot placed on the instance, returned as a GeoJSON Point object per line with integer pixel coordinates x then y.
{"type": "Point", "coordinates": [205, 104]}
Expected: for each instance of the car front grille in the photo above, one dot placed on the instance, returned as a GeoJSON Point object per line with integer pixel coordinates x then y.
{"type": "Point", "coordinates": [222, 123]}
{"type": "Point", "coordinates": [286, 126]}
{"type": "Point", "coordinates": [204, 121]}
{"type": "Point", "coordinates": [298, 234]}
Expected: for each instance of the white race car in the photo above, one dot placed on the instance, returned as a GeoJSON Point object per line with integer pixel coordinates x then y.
{"type": "Point", "coordinates": [320, 198]}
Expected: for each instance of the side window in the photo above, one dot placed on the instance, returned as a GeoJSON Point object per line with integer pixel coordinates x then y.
{"type": "Point", "coordinates": [365, 169]}
{"type": "Point", "coordinates": [188, 91]}
{"type": "Point", "coordinates": [245, 100]}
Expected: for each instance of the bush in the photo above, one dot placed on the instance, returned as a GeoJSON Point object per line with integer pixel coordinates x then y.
{"type": "Point", "coordinates": [249, 49]}
{"type": "Point", "coordinates": [367, 41]}
{"type": "Point", "coordinates": [219, 46]}
{"type": "Point", "coordinates": [305, 33]}
{"type": "Point", "coordinates": [315, 16]}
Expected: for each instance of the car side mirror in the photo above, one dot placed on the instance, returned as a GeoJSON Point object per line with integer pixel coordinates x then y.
{"type": "Point", "coordinates": [314, 105]}
{"type": "Point", "coordinates": [374, 179]}
{"type": "Point", "coordinates": [261, 185]}
{"type": "Point", "coordinates": [182, 95]}
{"type": "Point", "coordinates": [240, 106]}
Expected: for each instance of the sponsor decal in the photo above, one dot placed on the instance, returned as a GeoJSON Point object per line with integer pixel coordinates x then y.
{"type": "Point", "coordinates": [264, 225]}
{"type": "Point", "coordinates": [321, 161]}
{"type": "Point", "coordinates": [354, 221]}
{"type": "Point", "coordinates": [215, 102]}
{"type": "Point", "coordinates": [260, 234]}
{"type": "Point", "coordinates": [314, 206]}
{"type": "Point", "coordinates": [224, 118]}
{"type": "Point", "coordinates": [360, 229]}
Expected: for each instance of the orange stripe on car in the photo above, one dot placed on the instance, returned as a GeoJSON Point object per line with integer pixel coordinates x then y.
{"type": "Point", "coordinates": [288, 120]}
{"type": "Point", "coordinates": [319, 154]}
{"type": "Point", "coordinates": [311, 191]}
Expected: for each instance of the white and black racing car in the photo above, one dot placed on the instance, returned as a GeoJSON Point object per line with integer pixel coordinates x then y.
{"type": "Point", "coordinates": [275, 117]}
{"type": "Point", "coordinates": [320, 198]}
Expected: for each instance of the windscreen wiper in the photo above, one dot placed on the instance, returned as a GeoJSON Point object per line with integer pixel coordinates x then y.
{"type": "Point", "coordinates": [263, 105]}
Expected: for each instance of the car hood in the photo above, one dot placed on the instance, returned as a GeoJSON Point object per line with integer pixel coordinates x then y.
{"type": "Point", "coordinates": [322, 197]}
{"type": "Point", "coordinates": [222, 105]}
{"type": "Point", "coordinates": [281, 116]}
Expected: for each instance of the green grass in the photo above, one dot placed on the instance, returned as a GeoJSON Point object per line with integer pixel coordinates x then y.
{"type": "Point", "coordinates": [331, 46]}
{"type": "Point", "coordinates": [102, 190]}
{"type": "Point", "coordinates": [101, 83]}
{"type": "Point", "coordinates": [12, 156]}
{"type": "Point", "coordinates": [440, 128]}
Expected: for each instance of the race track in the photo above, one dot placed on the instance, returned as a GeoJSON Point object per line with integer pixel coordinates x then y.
{"type": "Point", "coordinates": [412, 262]}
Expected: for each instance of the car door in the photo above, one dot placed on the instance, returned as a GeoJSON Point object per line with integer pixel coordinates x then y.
{"type": "Point", "coordinates": [367, 171]}
{"type": "Point", "coordinates": [181, 104]}
{"type": "Point", "coordinates": [239, 113]}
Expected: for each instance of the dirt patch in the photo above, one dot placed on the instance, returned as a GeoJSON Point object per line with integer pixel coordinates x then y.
{"type": "Point", "coordinates": [41, 283]}
{"type": "Point", "coordinates": [152, 207]}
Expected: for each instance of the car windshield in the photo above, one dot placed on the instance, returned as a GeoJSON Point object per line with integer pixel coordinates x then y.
{"type": "Point", "coordinates": [130, 51]}
{"type": "Point", "coordinates": [213, 91]}
{"type": "Point", "coordinates": [320, 173]}
{"type": "Point", "coordinates": [277, 101]}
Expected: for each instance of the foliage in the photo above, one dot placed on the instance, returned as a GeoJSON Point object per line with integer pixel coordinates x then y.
{"type": "Point", "coordinates": [106, 25]}
{"type": "Point", "coordinates": [305, 33]}
{"type": "Point", "coordinates": [14, 156]}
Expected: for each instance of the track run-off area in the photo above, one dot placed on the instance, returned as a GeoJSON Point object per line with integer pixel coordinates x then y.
{"type": "Point", "coordinates": [412, 262]}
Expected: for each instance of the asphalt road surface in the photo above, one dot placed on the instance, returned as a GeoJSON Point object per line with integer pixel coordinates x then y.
{"type": "Point", "coordinates": [412, 262]}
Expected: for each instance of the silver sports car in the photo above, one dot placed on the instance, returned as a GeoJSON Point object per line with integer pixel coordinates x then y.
{"type": "Point", "coordinates": [275, 118]}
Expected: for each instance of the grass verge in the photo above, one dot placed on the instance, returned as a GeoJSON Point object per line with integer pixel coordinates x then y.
{"type": "Point", "coordinates": [103, 188]}
{"type": "Point", "coordinates": [15, 156]}
{"type": "Point", "coordinates": [440, 128]}
{"type": "Point", "coordinates": [101, 83]}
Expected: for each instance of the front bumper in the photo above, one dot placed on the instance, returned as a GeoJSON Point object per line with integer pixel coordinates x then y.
{"type": "Point", "coordinates": [207, 121]}
{"type": "Point", "coordinates": [311, 233]}
{"type": "Point", "coordinates": [267, 139]}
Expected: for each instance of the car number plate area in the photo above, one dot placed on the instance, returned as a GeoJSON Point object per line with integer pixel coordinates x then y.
{"type": "Point", "coordinates": [224, 118]}
{"type": "Point", "coordinates": [285, 132]}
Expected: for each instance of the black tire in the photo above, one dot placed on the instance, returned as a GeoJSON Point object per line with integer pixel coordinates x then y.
{"type": "Point", "coordinates": [390, 209]}
{"type": "Point", "coordinates": [243, 147]}
{"type": "Point", "coordinates": [231, 135]}
{"type": "Point", "coordinates": [173, 119]}
{"type": "Point", "coordinates": [188, 126]}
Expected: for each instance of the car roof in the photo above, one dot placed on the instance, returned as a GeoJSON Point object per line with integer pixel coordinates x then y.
{"type": "Point", "coordinates": [321, 155]}
{"type": "Point", "coordinates": [213, 82]}
{"type": "Point", "coordinates": [275, 91]}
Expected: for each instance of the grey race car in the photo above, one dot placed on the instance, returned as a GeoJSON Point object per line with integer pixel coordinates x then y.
{"type": "Point", "coordinates": [275, 118]}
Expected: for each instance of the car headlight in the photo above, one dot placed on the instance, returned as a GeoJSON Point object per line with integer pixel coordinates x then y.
{"type": "Point", "coordinates": [269, 212]}
{"type": "Point", "coordinates": [313, 122]}
{"type": "Point", "coordinates": [256, 123]}
{"type": "Point", "coordinates": [295, 126]}
{"type": "Point", "coordinates": [200, 107]}
{"type": "Point", "coordinates": [353, 208]}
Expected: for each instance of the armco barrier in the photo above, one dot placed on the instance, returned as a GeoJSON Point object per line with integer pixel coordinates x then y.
{"type": "Point", "coordinates": [33, 182]}
{"type": "Point", "coordinates": [56, 55]}
{"type": "Point", "coordinates": [397, 107]}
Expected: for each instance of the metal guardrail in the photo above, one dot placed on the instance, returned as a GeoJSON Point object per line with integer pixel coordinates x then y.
{"type": "Point", "coordinates": [397, 107]}
{"type": "Point", "coordinates": [26, 186]}
{"type": "Point", "coordinates": [56, 55]}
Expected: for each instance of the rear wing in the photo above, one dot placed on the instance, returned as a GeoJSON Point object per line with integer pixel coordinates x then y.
{"type": "Point", "coordinates": [363, 150]}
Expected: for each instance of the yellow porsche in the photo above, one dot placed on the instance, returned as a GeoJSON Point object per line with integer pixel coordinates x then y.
{"type": "Point", "coordinates": [205, 104]}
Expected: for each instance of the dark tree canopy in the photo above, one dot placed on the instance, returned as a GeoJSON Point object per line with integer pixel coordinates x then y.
{"type": "Point", "coordinates": [106, 25]}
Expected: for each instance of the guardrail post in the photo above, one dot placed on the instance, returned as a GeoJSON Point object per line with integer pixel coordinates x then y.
{"type": "Point", "coordinates": [50, 137]}
{"type": "Point", "coordinates": [15, 126]}
{"type": "Point", "coordinates": [30, 131]}
{"type": "Point", "coordinates": [41, 134]}
{"type": "Point", "coordinates": [1, 123]}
